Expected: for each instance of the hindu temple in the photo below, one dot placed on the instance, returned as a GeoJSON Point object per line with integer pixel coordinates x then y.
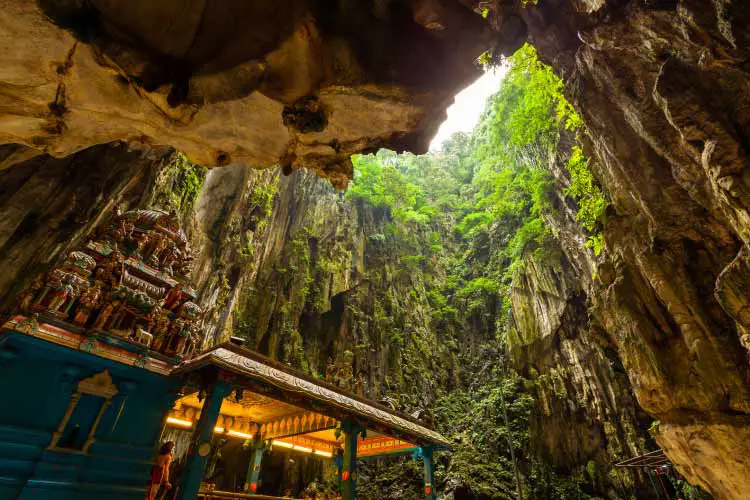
{"type": "Point", "coordinates": [112, 345]}
{"type": "Point", "coordinates": [375, 249]}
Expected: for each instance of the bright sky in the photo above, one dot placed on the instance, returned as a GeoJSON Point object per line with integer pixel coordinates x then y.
{"type": "Point", "coordinates": [464, 113]}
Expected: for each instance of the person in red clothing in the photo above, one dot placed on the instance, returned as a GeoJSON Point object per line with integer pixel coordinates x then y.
{"type": "Point", "coordinates": [160, 471]}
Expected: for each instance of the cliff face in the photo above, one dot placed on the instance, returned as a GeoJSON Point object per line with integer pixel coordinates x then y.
{"type": "Point", "coordinates": [304, 274]}
{"type": "Point", "coordinates": [319, 276]}
{"type": "Point", "coordinates": [585, 410]}
{"type": "Point", "coordinates": [663, 87]}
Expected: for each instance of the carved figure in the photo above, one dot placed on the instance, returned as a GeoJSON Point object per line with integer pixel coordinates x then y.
{"type": "Point", "coordinates": [105, 314]}
{"type": "Point", "coordinates": [175, 334]}
{"type": "Point", "coordinates": [143, 336]}
{"type": "Point", "coordinates": [182, 340]}
{"type": "Point", "coordinates": [112, 270]}
{"type": "Point", "coordinates": [142, 240]}
{"type": "Point", "coordinates": [345, 375]}
{"type": "Point", "coordinates": [123, 233]}
{"type": "Point", "coordinates": [160, 243]}
{"type": "Point", "coordinates": [26, 297]}
{"type": "Point", "coordinates": [60, 296]}
{"type": "Point", "coordinates": [88, 302]}
{"type": "Point", "coordinates": [134, 286]}
{"type": "Point", "coordinates": [170, 256]}
{"type": "Point", "coordinates": [331, 370]}
{"type": "Point", "coordinates": [174, 297]}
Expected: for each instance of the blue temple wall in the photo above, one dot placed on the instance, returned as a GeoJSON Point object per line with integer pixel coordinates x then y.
{"type": "Point", "coordinates": [37, 379]}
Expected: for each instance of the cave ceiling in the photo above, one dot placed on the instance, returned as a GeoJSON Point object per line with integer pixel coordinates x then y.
{"type": "Point", "coordinates": [290, 83]}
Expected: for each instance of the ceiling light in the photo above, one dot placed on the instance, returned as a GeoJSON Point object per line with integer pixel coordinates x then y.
{"type": "Point", "coordinates": [323, 453]}
{"type": "Point", "coordinates": [302, 448]}
{"type": "Point", "coordinates": [282, 444]}
{"type": "Point", "coordinates": [179, 422]}
{"type": "Point", "coordinates": [218, 429]}
{"type": "Point", "coordinates": [239, 434]}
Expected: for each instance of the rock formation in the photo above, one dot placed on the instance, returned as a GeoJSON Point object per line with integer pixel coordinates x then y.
{"type": "Point", "coordinates": [306, 275]}
{"type": "Point", "coordinates": [298, 84]}
{"type": "Point", "coordinates": [663, 88]}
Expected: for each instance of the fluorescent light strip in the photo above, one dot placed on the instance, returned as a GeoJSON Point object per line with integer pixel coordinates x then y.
{"type": "Point", "coordinates": [239, 434]}
{"type": "Point", "coordinates": [303, 449]}
{"type": "Point", "coordinates": [219, 429]}
{"type": "Point", "coordinates": [179, 422]}
{"type": "Point", "coordinates": [282, 444]}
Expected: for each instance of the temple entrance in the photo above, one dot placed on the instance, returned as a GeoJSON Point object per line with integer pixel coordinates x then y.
{"type": "Point", "coordinates": [291, 463]}
{"type": "Point", "coordinates": [249, 427]}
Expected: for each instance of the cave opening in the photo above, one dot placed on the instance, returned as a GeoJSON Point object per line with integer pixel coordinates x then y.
{"type": "Point", "coordinates": [549, 265]}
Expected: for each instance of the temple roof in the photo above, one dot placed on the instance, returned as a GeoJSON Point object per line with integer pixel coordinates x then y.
{"type": "Point", "coordinates": [285, 383]}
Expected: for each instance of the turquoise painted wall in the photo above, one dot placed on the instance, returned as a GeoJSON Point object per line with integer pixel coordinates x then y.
{"type": "Point", "coordinates": [37, 379]}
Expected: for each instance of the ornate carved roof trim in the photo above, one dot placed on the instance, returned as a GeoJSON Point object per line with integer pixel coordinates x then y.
{"type": "Point", "coordinates": [247, 363]}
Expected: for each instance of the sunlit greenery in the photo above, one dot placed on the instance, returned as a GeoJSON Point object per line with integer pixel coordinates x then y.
{"type": "Point", "coordinates": [178, 185]}
{"type": "Point", "coordinates": [591, 202]}
{"type": "Point", "coordinates": [474, 211]}
{"type": "Point", "coordinates": [496, 182]}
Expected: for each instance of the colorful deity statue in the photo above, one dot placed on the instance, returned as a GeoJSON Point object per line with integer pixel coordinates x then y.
{"type": "Point", "coordinates": [112, 269]}
{"type": "Point", "coordinates": [130, 280]}
{"type": "Point", "coordinates": [160, 243]}
{"type": "Point", "coordinates": [345, 375]}
{"type": "Point", "coordinates": [194, 331]}
{"type": "Point", "coordinates": [174, 297]}
{"type": "Point", "coordinates": [142, 240]}
{"type": "Point", "coordinates": [60, 296]}
{"type": "Point", "coordinates": [176, 329]}
{"type": "Point", "coordinates": [106, 312]}
{"type": "Point", "coordinates": [189, 314]}
{"type": "Point", "coordinates": [169, 257]}
{"type": "Point", "coordinates": [123, 233]}
{"type": "Point", "coordinates": [26, 298]}
{"type": "Point", "coordinates": [89, 301]}
{"type": "Point", "coordinates": [159, 326]}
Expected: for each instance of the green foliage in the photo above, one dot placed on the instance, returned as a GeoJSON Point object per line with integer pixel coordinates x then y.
{"type": "Point", "coordinates": [262, 197]}
{"type": "Point", "coordinates": [400, 478]}
{"type": "Point", "coordinates": [377, 238]}
{"type": "Point", "coordinates": [591, 202]}
{"type": "Point", "coordinates": [178, 185]}
{"type": "Point", "coordinates": [596, 243]}
{"type": "Point", "coordinates": [544, 482]}
{"type": "Point", "coordinates": [688, 492]}
{"type": "Point", "coordinates": [379, 182]}
{"type": "Point", "coordinates": [446, 235]}
{"type": "Point", "coordinates": [474, 416]}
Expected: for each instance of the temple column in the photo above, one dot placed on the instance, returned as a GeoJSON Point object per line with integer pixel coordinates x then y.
{"type": "Point", "coordinates": [339, 464]}
{"type": "Point", "coordinates": [195, 465]}
{"type": "Point", "coordinates": [252, 481]}
{"type": "Point", "coordinates": [429, 473]}
{"type": "Point", "coordinates": [349, 469]}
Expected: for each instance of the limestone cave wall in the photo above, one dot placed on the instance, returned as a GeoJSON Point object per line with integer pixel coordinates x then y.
{"type": "Point", "coordinates": [663, 88]}
{"type": "Point", "coordinates": [304, 274]}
